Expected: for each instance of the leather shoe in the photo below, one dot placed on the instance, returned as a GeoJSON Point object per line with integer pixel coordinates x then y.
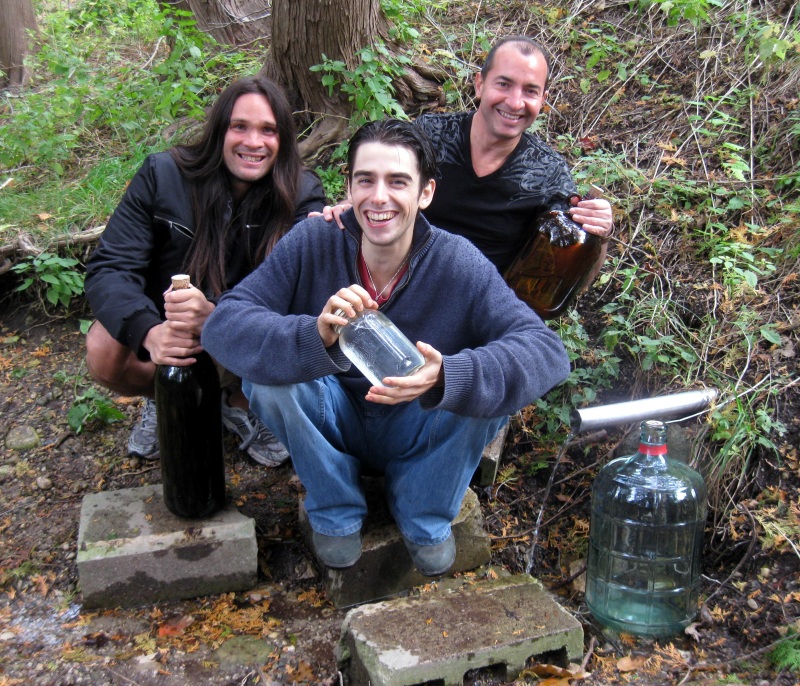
{"type": "Point", "coordinates": [433, 560]}
{"type": "Point", "coordinates": [337, 552]}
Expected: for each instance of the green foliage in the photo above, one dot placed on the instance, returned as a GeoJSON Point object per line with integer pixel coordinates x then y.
{"type": "Point", "coordinates": [786, 655]}
{"type": "Point", "coordinates": [694, 11]}
{"type": "Point", "coordinates": [107, 80]}
{"type": "Point", "coordinates": [739, 264]}
{"type": "Point", "coordinates": [333, 182]}
{"type": "Point", "coordinates": [55, 276]}
{"type": "Point", "coordinates": [403, 14]}
{"type": "Point", "coordinates": [90, 406]}
{"type": "Point", "coordinates": [369, 86]}
{"type": "Point", "coordinates": [592, 370]}
{"type": "Point", "coordinates": [605, 56]}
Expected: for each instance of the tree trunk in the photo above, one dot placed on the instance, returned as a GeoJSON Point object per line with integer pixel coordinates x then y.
{"type": "Point", "coordinates": [305, 30]}
{"type": "Point", "coordinates": [230, 22]}
{"type": "Point", "coordinates": [17, 22]}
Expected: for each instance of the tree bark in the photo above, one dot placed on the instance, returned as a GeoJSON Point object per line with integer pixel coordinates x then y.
{"type": "Point", "coordinates": [305, 30]}
{"type": "Point", "coordinates": [230, 22]}
{"type": "Point", "coordinates": [17, 23]}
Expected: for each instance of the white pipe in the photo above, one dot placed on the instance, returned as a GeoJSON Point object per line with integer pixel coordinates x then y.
{"type": "Point", "coordinates": [592, 418]}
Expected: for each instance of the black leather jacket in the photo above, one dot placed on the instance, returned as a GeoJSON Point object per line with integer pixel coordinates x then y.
{"type": "Point", "coordinates": [146, 241]}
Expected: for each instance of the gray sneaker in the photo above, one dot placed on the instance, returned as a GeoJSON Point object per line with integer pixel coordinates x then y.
{"type": "Point", "coordinates": [259, 442]}
{"type": "Point", "coordinates": [144, 439]}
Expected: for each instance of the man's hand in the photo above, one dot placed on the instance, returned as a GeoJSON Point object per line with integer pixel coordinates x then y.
{"type": "Point", "coordinates": [170, 345]}
{"type": "Point", "coordinates": [403, 389]}
{"type": "Point", "coordinates": [333, 213]}
{"type": "Point", "coordinates": [187, 309]}
{"type": "Point", "coordinates": [351, 300]}
{"type": "Point", "coordinates": [594, 215]}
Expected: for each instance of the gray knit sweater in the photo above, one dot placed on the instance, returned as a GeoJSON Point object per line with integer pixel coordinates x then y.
{"type": "Point", "coordinates": [498, 355]}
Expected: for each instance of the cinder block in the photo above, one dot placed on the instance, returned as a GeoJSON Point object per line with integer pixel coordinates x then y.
{"type": "Point", "coordinates": [133, 551]}
{"type": "Point", "coordinates": [437, 637]}
{"type": "Point", "coordinates": [385, 567]}
{"type": "Point", "coordinates": [486, 473]}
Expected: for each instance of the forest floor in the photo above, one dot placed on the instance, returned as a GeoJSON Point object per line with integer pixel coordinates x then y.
{"type": "Point", "coordinates": [284, 630]}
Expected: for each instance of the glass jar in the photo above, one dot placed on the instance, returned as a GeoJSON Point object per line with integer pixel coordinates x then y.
{"type": "Point", "coordinates": [646, 540]}
{"type": "Point", "coordinates": [377, 347]}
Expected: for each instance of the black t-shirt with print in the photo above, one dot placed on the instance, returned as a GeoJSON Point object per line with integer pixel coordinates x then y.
{"type": "Point", "coordinates": [495, 211]}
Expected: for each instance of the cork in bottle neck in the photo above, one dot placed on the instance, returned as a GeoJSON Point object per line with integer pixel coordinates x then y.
{"type": "Point", "coordinates": [181, 281]}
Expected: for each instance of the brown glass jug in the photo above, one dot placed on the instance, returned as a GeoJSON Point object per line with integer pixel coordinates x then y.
{"type": "Point", "coordinates": [555, 263]}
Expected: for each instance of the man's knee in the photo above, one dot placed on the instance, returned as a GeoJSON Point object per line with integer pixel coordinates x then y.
{"type": "Point", "coordinates": [106, 358]}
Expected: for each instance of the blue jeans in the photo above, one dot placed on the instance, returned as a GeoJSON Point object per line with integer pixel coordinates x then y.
{"type": "Point", "coordinates": [427, 456]}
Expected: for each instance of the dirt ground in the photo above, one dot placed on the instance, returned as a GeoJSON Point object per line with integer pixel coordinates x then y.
{"type": "Point", "coordinates": [284, 630]}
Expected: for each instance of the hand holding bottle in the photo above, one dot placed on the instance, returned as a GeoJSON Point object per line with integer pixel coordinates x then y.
{"type": "Point", "coordinates": [351, 301]}
{"type": "Point", "coordinates": [593, 212]}
{"type": "Point", "coordinates": [187, 308]}
{"type": "Point", "coordinates": [169, 345]}
{"type": "Point", "coordinates": [403, 389]}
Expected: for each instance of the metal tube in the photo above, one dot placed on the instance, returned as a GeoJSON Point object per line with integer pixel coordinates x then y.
{"type": "Point", "coordinates": [592, 418]}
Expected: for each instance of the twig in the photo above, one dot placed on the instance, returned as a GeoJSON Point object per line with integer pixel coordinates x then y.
{"type": "Point", "coordinates": [535, 539]}
{"type": "Point", "coordinates": [57, 443]}
{"type": "Point", "coordinates": [117, 674]}
{"type": "Point", "coordinates": [155, 51]}
{"type": "Point", "coordinates": [589, 653]}
{"type": "Point", "coordinates": [141, 471]}
{"type": "Point", "coordinates": [261, 675]}
{"type": "Point", "coordinates": [569, 579]}
{"type": "Point", "coordinates": [742, 508]}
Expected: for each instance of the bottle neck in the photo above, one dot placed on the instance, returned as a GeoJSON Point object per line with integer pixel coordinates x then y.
{"type": "Point", "coordinates": [650, 449]}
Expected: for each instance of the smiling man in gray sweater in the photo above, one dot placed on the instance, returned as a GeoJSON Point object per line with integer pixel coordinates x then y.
{"type": "Point", "coordinates": [487, 354]}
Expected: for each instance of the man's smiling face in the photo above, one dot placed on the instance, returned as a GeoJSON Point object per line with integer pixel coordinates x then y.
{"type": "Point", "coordinates": [251, 142]}
{"type": "Point", "coordinates": [386, 194]}
{"type": "Point", "coordinates": [511, 93]}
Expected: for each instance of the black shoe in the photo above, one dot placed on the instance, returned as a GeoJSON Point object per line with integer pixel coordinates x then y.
{"type": "Point", "coordinates": [433, 560]}
{"type": "Point", "coordinates": [337, 552]}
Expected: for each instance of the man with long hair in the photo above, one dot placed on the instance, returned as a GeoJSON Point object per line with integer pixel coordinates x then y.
{"type": "Point", "coordinates": [212, 209]}
{"type": "Point", "coordinates": [486, 353]}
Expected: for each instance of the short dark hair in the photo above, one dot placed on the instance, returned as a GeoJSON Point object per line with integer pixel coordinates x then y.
{"type": "Point", "coordinates": [396, 132]}
{"type": "Point", "coordinates": [526, 46]}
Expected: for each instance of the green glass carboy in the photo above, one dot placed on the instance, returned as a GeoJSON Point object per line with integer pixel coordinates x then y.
{"type": "Point", "coordinates": [646, 540]}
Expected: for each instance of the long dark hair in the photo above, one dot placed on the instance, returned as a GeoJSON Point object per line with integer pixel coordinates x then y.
{"type": "Point", "coordinates": [269, 203]}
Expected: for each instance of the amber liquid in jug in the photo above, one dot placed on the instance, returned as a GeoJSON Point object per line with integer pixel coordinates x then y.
{"type": "Point", "coordinates": [555, 264]}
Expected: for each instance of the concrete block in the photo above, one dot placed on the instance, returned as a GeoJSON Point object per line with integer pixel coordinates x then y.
{"type": "Point", "coordinates": [385, 567]}
{"type": "Point", "coordinates": [486, 473]}
{"type": "Point", "coordinates": [438, 637]}
{"type": "Point", "coordinates": [133, 551]}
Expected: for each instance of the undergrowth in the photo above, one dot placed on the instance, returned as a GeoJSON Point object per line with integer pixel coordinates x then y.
{"type": "Point", "coordinates": [685, 111]}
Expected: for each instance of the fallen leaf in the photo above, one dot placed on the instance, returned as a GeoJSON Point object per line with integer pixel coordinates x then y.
{"type": "Point", "coordinates": [631, 663]}
{"type": "Point", "coordinates": [175, 626]}
{"type": "Point", "coordinates": [692, 631]}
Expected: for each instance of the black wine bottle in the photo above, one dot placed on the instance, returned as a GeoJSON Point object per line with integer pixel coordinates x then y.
{"type": "Point", "coordinates": [190, 434]}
